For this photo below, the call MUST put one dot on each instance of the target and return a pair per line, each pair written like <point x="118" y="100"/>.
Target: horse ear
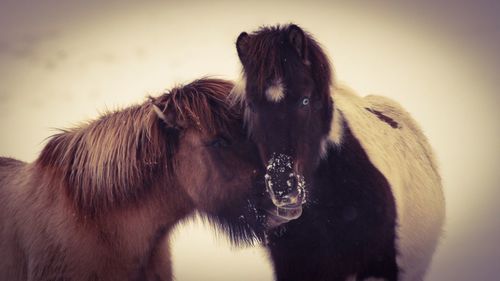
<point x="242" y="46"/>
<point x="169" y="118"/>
<point x="298" y="40"/>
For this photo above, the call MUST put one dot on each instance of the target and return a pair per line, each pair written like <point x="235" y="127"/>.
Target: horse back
<point x="9" y="168"/>
<point x="397" y="147"/>
<point x="10" y="162"/>
<point x="393" y="110"/>
<point x="10" y="176"/>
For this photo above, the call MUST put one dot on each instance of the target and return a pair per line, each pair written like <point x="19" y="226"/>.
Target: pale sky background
<point x="62" y="62"/>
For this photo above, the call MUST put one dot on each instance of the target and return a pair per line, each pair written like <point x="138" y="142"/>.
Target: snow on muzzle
<point x="285" y="186"/>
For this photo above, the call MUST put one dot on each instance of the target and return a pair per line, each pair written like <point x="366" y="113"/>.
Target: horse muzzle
<point x="285" y="187"/>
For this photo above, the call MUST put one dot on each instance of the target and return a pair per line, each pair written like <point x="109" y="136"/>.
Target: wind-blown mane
<point x="112" y="161"/>
<point x="102" y="199"/>
<point x="193" y="106"/>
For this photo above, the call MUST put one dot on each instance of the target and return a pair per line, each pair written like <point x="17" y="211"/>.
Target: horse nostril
<point x="287" y="200"/>
<point x="291" y="182"/>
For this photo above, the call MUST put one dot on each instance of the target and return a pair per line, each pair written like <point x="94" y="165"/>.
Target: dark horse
<point x="101" y="199"/>
<point x="360" y="168"/>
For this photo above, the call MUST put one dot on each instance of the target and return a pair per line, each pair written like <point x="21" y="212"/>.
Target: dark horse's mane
<point x="270" y="60"/>
<point x="112" y="160"/>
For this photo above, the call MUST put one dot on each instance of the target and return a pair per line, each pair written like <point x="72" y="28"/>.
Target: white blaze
<point x="275" y="92"/>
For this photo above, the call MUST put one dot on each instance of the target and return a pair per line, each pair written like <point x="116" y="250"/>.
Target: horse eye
<point x="219" y="142"/>
<point x="305" y="101"/>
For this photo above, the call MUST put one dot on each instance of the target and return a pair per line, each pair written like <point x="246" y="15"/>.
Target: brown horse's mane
<point x="115" y="159"/>
<point x="266" y="51"/>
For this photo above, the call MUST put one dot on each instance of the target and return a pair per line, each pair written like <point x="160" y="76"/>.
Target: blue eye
<point x="305" y="101"/>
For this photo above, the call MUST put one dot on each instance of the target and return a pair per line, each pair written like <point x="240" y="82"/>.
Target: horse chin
<point x="289" y="213"/>
<point x="281" y="215"/>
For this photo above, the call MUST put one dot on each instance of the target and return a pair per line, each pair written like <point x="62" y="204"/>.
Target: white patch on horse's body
<point x="336" y="128"/>
<point x="405" y="158"/>
<point x="275" y="92"/>
<point x="336" y="132"/>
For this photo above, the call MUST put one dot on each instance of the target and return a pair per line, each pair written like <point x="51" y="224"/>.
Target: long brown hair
<point x="110" y="161"/>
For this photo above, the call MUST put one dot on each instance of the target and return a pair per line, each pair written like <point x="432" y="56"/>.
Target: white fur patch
<point x="238" y="92"/>
<point x="276" y="92"/>
<point x="405" y="158"/>
<point x="337" y="127"/>
<point x="237" y="95"/>
<point x="336" y="132"/>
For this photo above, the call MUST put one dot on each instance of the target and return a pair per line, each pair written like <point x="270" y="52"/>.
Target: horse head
<point x="285" y="89"/>
<point x="216" y="165"/>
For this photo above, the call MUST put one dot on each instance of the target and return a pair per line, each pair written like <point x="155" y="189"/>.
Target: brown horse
<point x="101" y="198"/>
<point x="375" y="205"/>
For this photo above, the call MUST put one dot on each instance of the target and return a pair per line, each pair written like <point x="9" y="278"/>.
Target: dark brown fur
<point x="266" y="56"/>
<point x="347" y="227"/>
<point x="287" y="56"/>
<point x="391" y="122"/>
<point x="100" y="200"/>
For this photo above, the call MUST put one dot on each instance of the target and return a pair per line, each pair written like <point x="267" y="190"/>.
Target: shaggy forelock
<point x="202" y="104"/>
<point x="266" y="57"/>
